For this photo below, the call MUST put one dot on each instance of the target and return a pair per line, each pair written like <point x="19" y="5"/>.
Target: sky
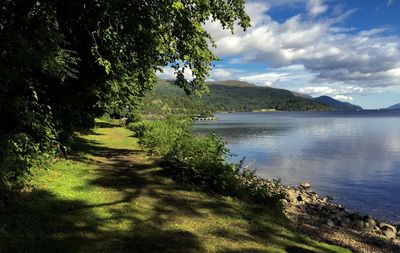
<point x="346" y="49"/>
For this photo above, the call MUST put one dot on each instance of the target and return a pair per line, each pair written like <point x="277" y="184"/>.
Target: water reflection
<point x="352" y="156"/>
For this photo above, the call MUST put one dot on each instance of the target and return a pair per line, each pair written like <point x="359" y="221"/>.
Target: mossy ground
<point x="110" y="197"/>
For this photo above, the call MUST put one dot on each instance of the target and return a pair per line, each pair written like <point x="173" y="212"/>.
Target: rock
<point x="330" y="223"/>
<point x="333" y="217"/>
<point x="305" y="185"/>
<point x="370" y="223"/>
<point x="355" y="216"/>
<point x="314" y="198"/>
<point x="385" y="226"/>
<point x="291" y="196"/>
<point x="344" y="222"/>
<point x="302" y="208"/>
<point x="300" y="198"/>
<point x="388" y="230"/>
<point x="331" y="208"/>
<point x="389" y="234"/>
<point x="359" y="224"/>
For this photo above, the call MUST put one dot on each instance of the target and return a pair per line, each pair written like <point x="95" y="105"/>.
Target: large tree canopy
<point x="64" y="62"/>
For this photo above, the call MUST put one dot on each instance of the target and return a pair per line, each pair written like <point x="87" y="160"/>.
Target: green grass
<point x="110" y="197"/>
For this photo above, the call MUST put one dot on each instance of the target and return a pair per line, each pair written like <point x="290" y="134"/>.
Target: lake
<point x="353" y="157"/>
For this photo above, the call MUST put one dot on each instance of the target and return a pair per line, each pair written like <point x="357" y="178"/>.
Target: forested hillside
<point x="226" y="96"/>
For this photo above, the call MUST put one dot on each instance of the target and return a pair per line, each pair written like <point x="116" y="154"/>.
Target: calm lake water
<point x="352" y="156"/>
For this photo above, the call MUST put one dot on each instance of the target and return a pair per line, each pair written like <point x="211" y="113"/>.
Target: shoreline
<point x="323" y="218"/>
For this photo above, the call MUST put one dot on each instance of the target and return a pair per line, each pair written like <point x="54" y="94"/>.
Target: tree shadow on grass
<point x="81" y="148"/>
<point x="40" y="222"/>
<point x="102" y="124"/>
<point x="37" y="222"/>
<point x="136" y="194"/>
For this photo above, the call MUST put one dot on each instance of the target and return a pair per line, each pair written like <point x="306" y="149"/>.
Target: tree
<point x="62" y="63"/>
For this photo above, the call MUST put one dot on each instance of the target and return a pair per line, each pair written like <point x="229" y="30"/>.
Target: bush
<point x="160" y="136"/>
<point x="201" y="160"/>
<point x="137" y="127"/>
<point x="24" y="145"/>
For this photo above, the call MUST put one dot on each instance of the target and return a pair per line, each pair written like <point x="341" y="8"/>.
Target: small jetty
<point x="205" y="118"/>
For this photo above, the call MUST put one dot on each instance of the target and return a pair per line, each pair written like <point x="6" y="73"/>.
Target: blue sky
<point x="347" y="49"/>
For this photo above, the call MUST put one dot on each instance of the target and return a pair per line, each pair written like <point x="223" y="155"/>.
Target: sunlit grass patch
<point x="110" y="197"/>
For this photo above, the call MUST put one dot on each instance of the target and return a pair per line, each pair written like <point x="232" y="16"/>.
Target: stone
<point x="305" y="185"/>
<point x="330" y="223"/>
<point x="384" y="226"/>
<point x="300" y="198"/>
<point x="342" y="213"/>
<point x="359" y="224"/>
<point x="331" y="208"/>
<point x="370" y="223"/>
<point x="388" y="230"/>
<point x="303" y="208"/>
<point x="314" y="198"/>
<point x="356" y="216"/>
<point x="389" y="233"/>
<point x="333" y="217"/>
<point x="344" y="222"/>
<point x="291" y="196"/>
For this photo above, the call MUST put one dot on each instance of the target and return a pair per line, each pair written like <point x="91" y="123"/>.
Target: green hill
<point x="226" y="96"/>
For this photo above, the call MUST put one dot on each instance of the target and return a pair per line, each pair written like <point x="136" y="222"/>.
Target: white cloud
<point x="343" y="98"/>
<point x="316" y="7"/>
<point x="280" y="77"/>
<point x="219" y="74"/>
<point x="266" y="79"/>
<point x="338" y="92"/>
<point x="331" y="54"/>
<point x="169" y="73"/>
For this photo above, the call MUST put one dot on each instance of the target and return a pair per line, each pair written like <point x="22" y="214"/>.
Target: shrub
<point x="160" y="136"/>
<point x="137" y="127"/>
<point x="201" y="160"/>
<point x="20" y="152"/>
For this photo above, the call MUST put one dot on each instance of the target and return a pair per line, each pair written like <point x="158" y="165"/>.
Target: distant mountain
<point x="394" y="107"/>
<point x="336" y="103"/>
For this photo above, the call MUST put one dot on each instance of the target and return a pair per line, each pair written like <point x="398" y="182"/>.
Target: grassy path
<point x="110" y="197"/>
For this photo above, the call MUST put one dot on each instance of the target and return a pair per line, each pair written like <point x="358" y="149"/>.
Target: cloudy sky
<point x="347" y="49"/>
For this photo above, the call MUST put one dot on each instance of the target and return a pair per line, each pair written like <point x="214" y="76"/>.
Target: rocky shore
<point x="323" y="218"/>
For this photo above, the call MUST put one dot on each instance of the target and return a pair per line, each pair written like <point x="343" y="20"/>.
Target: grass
<point x="110" y="197"/>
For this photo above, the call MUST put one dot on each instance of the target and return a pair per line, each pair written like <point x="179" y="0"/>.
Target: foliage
<point x="62" y="63"/>
<point x="137" y="127"/>
<point x="161" y="136"/>
<point x="201" y="160"/>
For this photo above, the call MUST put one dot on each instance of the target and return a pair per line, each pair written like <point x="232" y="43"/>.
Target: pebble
<point x="359" y="224"/>
<point x="389" y="234"/>
<point x="305" y="185"/>
<point x="330" y="223"/>
<point x="370" y="222"/>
